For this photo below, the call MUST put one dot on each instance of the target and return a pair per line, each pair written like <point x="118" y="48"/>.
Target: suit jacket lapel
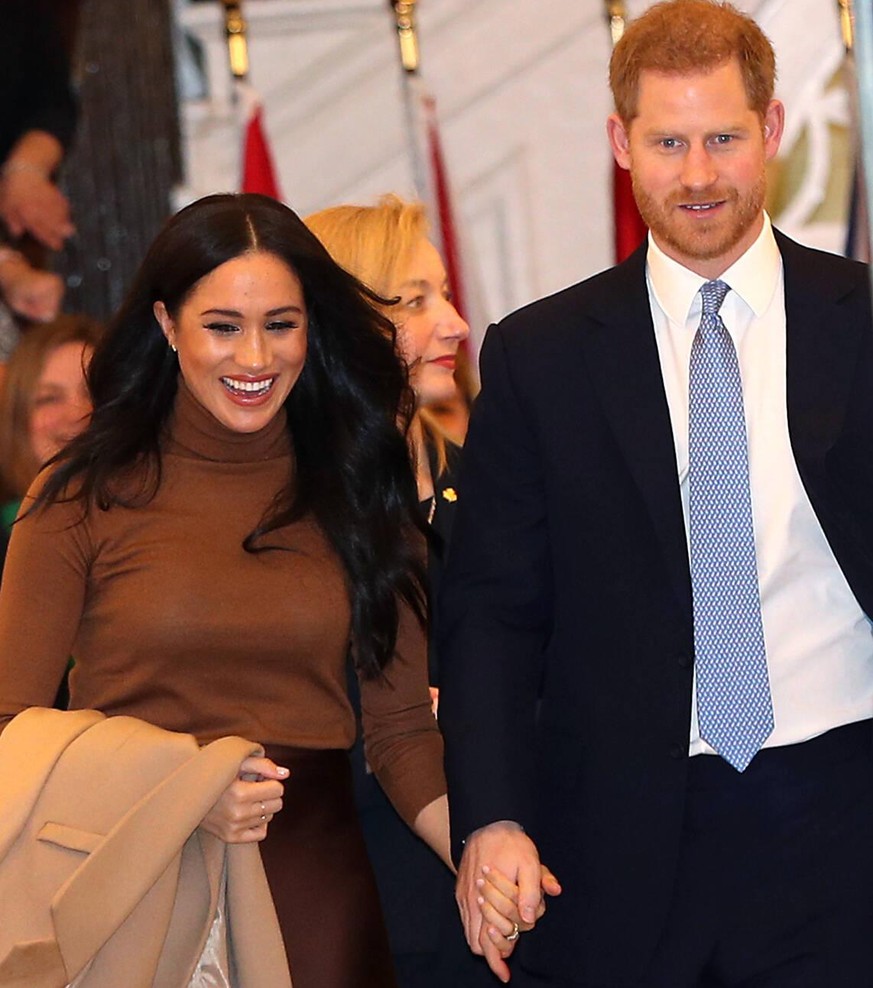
<point x="626" y="371"/>
<point x="822" y="350"/>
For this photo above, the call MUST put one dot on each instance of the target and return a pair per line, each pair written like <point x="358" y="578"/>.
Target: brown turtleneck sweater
<point x="170" y="620"/>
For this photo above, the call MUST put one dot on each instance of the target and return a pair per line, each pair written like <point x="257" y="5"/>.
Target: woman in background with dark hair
<point x="237" y="518"/>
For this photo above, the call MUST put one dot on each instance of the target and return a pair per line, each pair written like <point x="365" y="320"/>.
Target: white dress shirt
<point x="819" y="642"/>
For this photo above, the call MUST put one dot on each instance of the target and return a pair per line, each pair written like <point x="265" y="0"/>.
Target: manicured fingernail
<point x="480" y="900"/>
<point x="480" y="883"/>
<point x="282" y="771"/>
<point x="485" y="869"/>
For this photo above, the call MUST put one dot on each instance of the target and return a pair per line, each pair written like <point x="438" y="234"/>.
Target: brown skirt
<point x="320" y="877"/>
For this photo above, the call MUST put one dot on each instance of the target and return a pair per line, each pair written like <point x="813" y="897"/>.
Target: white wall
<point x="522" y="96"/>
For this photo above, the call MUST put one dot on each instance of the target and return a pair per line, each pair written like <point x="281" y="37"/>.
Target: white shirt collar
<point x="754" y="277"/>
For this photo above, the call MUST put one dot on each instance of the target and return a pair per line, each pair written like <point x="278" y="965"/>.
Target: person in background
<point x="44" y="401"/>
<point x="386" y="246"/>
<point x="29" y="292"/>
<point x="656" y="648"/>
<point x="36" y="123"/>
<point x="237" y="520"/>
<point x="37" y="120"/>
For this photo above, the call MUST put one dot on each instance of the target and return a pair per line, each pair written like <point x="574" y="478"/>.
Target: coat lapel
<point x="623" y="358"/>
<point x="822" y="349"/>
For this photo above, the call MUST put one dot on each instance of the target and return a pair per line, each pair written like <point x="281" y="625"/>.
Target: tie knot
<point x="713" y="293"/>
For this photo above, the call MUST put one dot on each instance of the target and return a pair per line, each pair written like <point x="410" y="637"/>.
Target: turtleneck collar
<point x="196" y="432"/>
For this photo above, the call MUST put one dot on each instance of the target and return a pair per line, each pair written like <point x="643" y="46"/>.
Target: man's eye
<point x="723" y="138"/>
<point x="669" y="143"/>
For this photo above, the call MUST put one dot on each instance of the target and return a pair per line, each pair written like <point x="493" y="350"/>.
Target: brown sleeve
<point x="41" y="601"/>
<point x="401" y="738"/>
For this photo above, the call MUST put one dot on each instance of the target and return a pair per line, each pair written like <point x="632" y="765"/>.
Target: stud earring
<point x="173" y="348"/>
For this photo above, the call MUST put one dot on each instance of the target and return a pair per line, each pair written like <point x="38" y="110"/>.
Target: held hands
<point x="500" y="891"/>
<point x="249" y="803"/>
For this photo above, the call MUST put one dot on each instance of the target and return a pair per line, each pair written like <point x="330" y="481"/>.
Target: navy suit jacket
<point x="566" y="618"/>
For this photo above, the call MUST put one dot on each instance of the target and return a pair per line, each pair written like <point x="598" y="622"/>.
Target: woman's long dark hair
<point x="352" y="463"/>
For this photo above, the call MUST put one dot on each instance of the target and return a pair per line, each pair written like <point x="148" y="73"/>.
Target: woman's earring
<point x="173" y="348"/>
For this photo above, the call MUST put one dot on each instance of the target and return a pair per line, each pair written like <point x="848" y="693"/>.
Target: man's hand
<point x="505" y="848"/>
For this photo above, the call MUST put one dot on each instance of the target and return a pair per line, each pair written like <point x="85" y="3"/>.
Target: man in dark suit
<point x="655" y="635"/>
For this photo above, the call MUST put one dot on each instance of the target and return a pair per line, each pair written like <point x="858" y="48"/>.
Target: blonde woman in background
<point x="386" y="246"/>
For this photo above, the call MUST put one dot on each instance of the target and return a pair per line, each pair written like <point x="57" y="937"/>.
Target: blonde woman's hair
<point x="374" y="243"/>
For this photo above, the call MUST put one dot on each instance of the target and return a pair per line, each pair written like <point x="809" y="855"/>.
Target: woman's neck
<point x="423" y="476"/>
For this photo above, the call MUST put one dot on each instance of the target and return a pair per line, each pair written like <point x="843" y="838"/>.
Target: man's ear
<point x="165" y="321"/>
<point x="619" y="140"/>
<point x="774" y="125"/>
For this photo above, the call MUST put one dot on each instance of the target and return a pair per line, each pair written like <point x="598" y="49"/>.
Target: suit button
<point x="678" y="750"/>
<point x="685" y="660"/>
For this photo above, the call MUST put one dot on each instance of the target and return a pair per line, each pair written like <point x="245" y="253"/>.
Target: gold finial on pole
<point x="846" y="25"/>
<point x="404" y="17"/>
<point x="237" y="45"/>
<point x="616" y="16"/>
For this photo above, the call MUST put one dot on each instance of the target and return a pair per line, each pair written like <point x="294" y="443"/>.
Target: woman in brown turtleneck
<point x="238" y="518"/>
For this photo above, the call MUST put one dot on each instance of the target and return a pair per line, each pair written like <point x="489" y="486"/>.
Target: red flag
<point x="630" y="231"/>
<point x="443" y="207"/>
<point x="259" y="174"/>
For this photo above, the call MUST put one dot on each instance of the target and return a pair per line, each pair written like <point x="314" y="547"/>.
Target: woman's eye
<point x="222" y="328"/>
<point x="40" y="401"/>
<point x="415" y="303"/>
<point x="281" y="326"/>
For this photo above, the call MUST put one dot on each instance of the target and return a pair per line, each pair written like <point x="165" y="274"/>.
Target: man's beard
<point x="695" y="238"/>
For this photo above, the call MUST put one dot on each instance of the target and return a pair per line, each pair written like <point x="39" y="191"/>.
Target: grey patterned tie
<point x="734" y="707"/>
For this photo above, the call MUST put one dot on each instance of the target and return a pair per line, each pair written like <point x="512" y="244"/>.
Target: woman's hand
<point x="249" y="803"/>
<point x="498" y="902"/>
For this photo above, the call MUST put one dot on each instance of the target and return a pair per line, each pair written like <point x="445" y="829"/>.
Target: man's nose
<point x="698" y="169"/>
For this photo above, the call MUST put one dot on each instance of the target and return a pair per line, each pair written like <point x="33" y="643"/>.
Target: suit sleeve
<point x="495" y="605"/>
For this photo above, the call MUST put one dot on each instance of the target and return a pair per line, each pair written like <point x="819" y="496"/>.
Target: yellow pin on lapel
<point x="449" y="494"/>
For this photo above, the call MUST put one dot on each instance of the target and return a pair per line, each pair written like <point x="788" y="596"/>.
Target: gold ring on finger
<point x="515" y="933"/>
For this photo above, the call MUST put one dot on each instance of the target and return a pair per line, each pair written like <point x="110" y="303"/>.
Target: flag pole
<point x="258" y="172"/>
<point x="861" y="16"/>
<point x="410" y="64"/>
<point x="616" y="17"/>
<point x="629" y="231"/>
<point x="856" y="27"/>
<point x="237" y="42"/>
